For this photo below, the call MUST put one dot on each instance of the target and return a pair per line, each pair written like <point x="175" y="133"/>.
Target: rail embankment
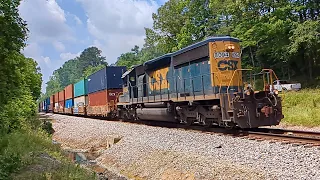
<point x="30" y="154"/>
<point x="147" y="152"/>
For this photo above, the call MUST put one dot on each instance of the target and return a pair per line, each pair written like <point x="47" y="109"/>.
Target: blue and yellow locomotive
<point x="203" y="84"/>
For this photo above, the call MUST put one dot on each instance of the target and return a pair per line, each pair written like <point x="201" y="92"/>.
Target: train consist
<point x="200" y="84"/>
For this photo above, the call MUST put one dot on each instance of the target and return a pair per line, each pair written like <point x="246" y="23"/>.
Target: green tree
<point x="305" y="42"/>
<point x="92" y="69"/>
<point x="89" y="61"/>
<point x="130" y="58"/>
<point x="20" y="79"/>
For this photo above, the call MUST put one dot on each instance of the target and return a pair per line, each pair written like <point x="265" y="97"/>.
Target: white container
<point x="80" y="101"/>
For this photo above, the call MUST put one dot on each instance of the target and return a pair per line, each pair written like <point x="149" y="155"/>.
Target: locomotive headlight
<point x="276" y="92"/>
<point x="248" y="93"/>
<point x="230" y="47"/>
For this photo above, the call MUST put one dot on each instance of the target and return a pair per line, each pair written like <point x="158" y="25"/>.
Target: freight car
<point x="203" y="84"/>
<point x="80" y="97"/>
<point x="103" y="88"/>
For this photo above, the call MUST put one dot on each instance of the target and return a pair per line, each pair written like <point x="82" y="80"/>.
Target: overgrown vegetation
<point x="302" y="108"/>
<point x="25" y="148"/>
<point x="30" y="154"/>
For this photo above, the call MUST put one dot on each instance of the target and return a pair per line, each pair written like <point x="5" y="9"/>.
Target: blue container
<point x="69" y="103"/>
<point x="46" y="104"/>
<point x="107" y="78"/>
<point x="80" y="88"/>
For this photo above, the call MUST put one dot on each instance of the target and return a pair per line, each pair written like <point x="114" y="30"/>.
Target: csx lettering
<point x="230" y="65"/>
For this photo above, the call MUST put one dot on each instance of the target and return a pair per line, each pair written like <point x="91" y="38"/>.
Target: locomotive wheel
<point x="189" y="121"/>
<point x="125" y="117"/>
<point x="208" y="122"/>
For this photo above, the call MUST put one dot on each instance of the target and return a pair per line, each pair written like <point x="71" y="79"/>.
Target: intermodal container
<point x="81" y="101"/>
<point x="56" y="97"/>
<point x="80" y="88"/>
<point x="41" y="106"/>
<point x="61" y="96"/>
<point x="107" y="78"/>
<point x="102" y="103"/>
<point x="68" y="92"/>
<point x="61" y="107"/>
<point x="68" y="106"/>
<point x="51" y="107"/>
<point x="47" y="104"/>
<point x="56" y="107"/>
<point x="69" y="103"/>
<point x="80" y="104"/>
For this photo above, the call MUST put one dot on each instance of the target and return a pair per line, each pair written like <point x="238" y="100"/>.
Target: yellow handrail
<point x="271" y="72"/>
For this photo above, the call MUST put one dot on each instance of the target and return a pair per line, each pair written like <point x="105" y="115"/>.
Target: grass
<point x="302" y="107"/>
<point x="30" y="154"/>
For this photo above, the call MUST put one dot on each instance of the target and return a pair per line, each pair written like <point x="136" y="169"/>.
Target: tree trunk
<point x="310" y="68"/>
<point x="251" y="55"/>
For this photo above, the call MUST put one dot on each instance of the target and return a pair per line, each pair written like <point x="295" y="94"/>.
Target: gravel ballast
<point x="146" y="152"/>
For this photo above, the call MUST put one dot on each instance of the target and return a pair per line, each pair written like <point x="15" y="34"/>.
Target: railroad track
<point x="285" y="136"/>
<point x="295" y="137"/>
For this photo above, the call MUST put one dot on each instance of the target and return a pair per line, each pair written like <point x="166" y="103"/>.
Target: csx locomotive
<point x="200" y="84"/>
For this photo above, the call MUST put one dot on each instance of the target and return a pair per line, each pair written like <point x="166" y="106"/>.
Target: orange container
<point x="51" y="103"/>
<point x="56" y="97"/>
<point x="68" y="92"/>
<point x="61" y="96"/>
<point x="102" y="103"/>
<point x="61" y="107"/>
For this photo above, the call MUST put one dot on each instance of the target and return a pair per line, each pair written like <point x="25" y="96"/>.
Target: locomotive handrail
<point x="187" y="87"/>
<point x="237" y="70"/>
<point x="271" y="72"/>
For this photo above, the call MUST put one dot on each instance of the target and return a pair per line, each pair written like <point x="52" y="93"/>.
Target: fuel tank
<point x="155" y="114"/>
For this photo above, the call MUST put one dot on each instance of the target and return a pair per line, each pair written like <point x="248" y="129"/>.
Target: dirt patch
<point x="172" y="165"/>
<point x="88" y="144"/>
<point x="172" y="174"/>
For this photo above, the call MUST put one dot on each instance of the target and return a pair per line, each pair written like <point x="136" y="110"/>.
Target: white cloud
<point x="46" y="20"/>
<point x="68" y="56"/>
<point x="118" y="25"/>
<point x="58" y="46"/>
<point x="77" y="19"/>
<point x="33" y="51"/>
<point x="47" y="25"/>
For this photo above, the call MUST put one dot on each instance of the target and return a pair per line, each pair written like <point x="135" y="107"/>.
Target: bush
<point x="21" y="150"/>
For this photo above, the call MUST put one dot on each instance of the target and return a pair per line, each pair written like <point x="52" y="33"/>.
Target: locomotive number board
<point x="226" y="55"/>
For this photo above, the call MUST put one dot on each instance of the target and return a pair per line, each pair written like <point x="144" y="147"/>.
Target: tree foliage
<point x="89" y="61"/>
<point x="20" y="78"/>
<point x="282" y="35"/>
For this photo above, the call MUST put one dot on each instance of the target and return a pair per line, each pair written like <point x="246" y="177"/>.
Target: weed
<point x="302" y="107"/>
<point x="30" y="154"/>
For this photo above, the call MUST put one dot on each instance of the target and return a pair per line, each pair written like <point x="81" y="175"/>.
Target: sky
<point x="60" y="30"/>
